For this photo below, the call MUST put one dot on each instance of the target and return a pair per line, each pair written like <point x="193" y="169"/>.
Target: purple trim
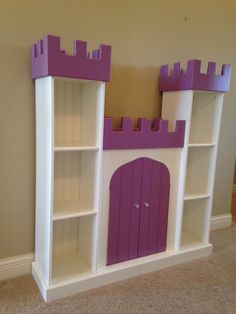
<point x="47" y="59"/>
<point x="145" y="136"/>
<point x="192" y="78"/>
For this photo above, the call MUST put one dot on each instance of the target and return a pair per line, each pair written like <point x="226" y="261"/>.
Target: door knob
<point x="136" y="205"/>
<point x="146" y="204"/>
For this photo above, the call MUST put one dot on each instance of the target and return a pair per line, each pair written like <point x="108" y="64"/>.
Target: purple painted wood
<point x="47" y="58"/>
<point x="136" y="192"/>
<point x="135" y="210"/>
<point x="114" y="215"/>
<point x="125" y="206"/>
<point x="125" y="189"/>
<point x="146" y="206"/>
<point x="155" y="191"/>
<point x="193" y="79"/>
<point x="145" y="136"/>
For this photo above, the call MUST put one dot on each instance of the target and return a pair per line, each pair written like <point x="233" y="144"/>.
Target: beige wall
<point x="144" y="35"/>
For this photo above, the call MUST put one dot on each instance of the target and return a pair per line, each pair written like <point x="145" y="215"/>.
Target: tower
<point x="197" y="98"/>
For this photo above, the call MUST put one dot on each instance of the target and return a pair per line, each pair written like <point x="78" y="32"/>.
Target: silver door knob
<point x="146" y="204"/>
<point x="136" y="205"/>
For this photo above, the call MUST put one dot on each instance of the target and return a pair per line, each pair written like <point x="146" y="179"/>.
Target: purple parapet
<point x="145" y="136"/>
<point x="193" y="79"/>
<point x="47" y="59"/>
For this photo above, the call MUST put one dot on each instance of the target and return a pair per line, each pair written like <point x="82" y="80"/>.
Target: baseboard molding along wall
<point x="15" y="266"/>
<point x="21" y="265"/>
<point x="221" y="221"/>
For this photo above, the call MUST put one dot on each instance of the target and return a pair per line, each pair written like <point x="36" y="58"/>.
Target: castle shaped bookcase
<point x="115" y="203"/>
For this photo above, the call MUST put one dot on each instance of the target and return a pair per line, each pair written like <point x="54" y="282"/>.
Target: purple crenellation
<point x="193" y="79"/>
<point x="47" y="59"/>
<point x="147" y="135"/>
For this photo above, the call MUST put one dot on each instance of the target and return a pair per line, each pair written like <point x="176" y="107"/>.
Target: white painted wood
<point x="196" y="196"/>
<point x="216" y="126"/>
<point x="201" y="145"/>
<point x="194" y="220"/>
<point x="15" y="266"/>
<point x="198" y="170"/>
<point x="74" y="181"/>
<point x="98" y="171"/>
<point x="221" y="221"/>
<point x="76" y="111"/>
<point x="70" y="209"/>
<point x="198" y="158"/>
<point x="72" y="247"/>
<point x="67" y="187"/>
<point x="44" y="174"/>
<point x="77" y="147"/>
<point x="123" y="271"/>
<point x="73" y="177"/>
<point x="205" y="114"/>
<point x="178" y="106"/>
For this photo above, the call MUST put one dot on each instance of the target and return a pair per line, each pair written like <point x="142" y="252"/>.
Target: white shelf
<point x="72" y="146"/>
<point x="201" y="145"/>
<point x="70" y="209"/>
<point x="197" y="196"/>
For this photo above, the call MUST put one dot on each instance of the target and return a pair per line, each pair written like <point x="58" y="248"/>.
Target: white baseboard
<point x="221" y="221"/>
<point x="16" y="266"/>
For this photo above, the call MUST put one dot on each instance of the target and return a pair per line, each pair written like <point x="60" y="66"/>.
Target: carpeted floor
<point x="206" y="285"/>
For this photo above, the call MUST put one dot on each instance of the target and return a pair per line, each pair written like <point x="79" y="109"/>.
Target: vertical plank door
<point x="138" y="210"/>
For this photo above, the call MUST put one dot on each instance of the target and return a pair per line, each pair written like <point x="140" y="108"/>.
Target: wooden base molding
<point x="16" y="266"/>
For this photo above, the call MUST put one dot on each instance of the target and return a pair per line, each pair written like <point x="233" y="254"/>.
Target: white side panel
<point x="216" y="129"/>
<point x="178" y="106"/>
<point x="44" y="175"/>
<point x="100" y="100"/>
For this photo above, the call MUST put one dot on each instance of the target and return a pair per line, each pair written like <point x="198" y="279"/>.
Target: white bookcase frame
<point x="72" y="185"/>
<point x="202" y="112"/>
<point x="69" y="126"/>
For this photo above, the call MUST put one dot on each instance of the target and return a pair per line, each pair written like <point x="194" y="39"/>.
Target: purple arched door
<point x="138" y="210"/>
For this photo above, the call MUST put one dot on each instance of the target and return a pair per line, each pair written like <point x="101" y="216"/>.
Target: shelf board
<point x="73" y="146"/>
<point x="69" y="267"/>
<point x="196" y="196"/>
<point x="201" y="144"/>
<point x="70" y="209"/>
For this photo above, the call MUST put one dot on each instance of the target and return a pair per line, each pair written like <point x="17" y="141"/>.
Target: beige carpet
<point x="206" y="285"/>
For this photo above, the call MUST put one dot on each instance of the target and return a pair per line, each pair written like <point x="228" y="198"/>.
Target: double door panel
<point x="138" y="210"/>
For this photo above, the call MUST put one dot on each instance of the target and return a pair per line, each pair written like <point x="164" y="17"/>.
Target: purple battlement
<point x="192" y="78"/>
<point x="47" y="59"/>
<point x="147" y="135"/>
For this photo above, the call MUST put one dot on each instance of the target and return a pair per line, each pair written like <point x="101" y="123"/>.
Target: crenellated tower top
<point x="47" y="59"/>
<point x="193" y="79"/>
